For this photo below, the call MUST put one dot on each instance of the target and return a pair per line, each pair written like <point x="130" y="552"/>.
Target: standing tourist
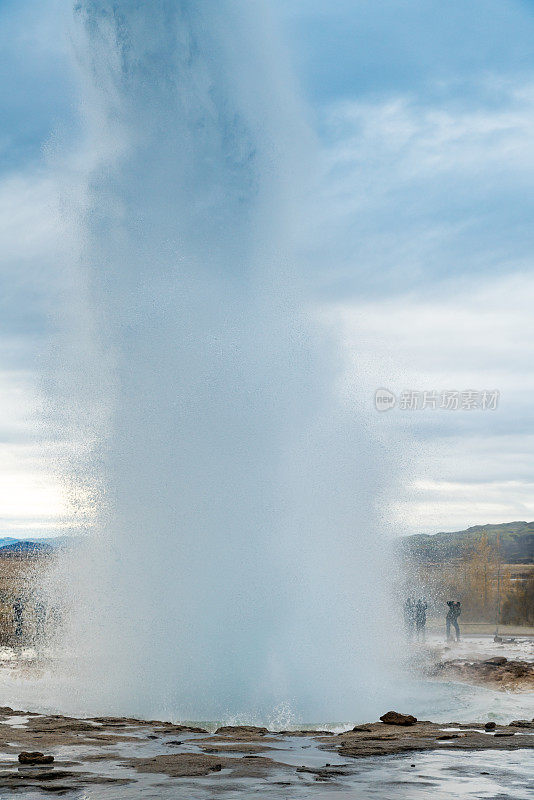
<point x="18" y="608"/>
<point x="452" y="619"/>
<point x="409" y="617"/>
<point x="420" y="619"/>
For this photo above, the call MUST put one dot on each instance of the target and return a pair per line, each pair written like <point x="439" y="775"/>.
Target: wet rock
<point x="46" y="774"/>
<point x="504" y="733"/>
<point x="422" y="736"/>
<point x="180" y="765"/>
<point x="381" y="737"/>
<point x="490" y="726"/>
<point x="518" y="669"/>
<point x="35" y="758"/>
<point x="44" y="724"/>
<point x="168" y="728"/>
<point x="521" y="723"/>
<point x="241" y="730"/>
<point x="11" y="712"/>
<point x="128" y="722"/>
<point x="53" y="780"/>
<point x="396" y="718"/>
<point x="498" y="672"/>
<point x="361" y="729"/>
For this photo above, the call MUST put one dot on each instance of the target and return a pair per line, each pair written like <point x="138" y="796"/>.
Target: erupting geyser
<point x="236" y="568"/>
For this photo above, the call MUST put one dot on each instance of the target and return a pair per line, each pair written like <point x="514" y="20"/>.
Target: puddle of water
<point x="434" y="776"/>
<point x="16" y="722"/>
<point x="518" y="731"/>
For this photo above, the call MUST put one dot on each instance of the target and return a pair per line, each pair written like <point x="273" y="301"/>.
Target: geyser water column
<point x="236" y="565"/>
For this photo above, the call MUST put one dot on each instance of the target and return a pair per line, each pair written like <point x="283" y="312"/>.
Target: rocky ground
<point x="497" y="673"/>
<point x="505" y="664"/>
<point x="124" y="758"/>
<point x="106" y="758"/>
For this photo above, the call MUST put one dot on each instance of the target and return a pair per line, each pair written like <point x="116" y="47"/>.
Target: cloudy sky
<point x="424" y="114"/>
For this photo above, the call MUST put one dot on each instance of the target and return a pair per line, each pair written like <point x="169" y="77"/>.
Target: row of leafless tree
<point x="489" y="590"/>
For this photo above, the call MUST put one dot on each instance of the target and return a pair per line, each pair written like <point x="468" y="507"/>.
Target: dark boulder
<point x="35" y="758"/>
<point x="395" y="718"/>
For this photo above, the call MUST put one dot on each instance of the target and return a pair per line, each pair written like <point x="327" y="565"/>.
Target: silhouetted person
<point x="452" y="618"/>
<point x="40" y="620"/>
<point x="18" y="609"/>
<point x="409" y="616"/>
<point x="420" y="619"/>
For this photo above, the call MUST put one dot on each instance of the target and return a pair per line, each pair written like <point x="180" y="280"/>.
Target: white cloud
<point x="442" y="505"/>
<point x="33" y="500"/>
<point x="427" y="140"/>
<point x="425" y="205"/>
<point x="31" y="225"/>
<point x="427" y="249"/>
<point x="461" y="467"/>
<point x="36" y="242"/>
<point x="419" y="191"/>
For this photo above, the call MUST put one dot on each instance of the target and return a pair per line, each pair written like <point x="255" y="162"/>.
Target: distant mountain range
<point x="11" y="546"/>
<point x="516" y="543"/>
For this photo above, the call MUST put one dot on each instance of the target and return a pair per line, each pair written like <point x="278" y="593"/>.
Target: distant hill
<point x="26" y="548"/>
<point x="516" y="542"/>
<point x="7" y="540"/>
<point x="10" y="546"/>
